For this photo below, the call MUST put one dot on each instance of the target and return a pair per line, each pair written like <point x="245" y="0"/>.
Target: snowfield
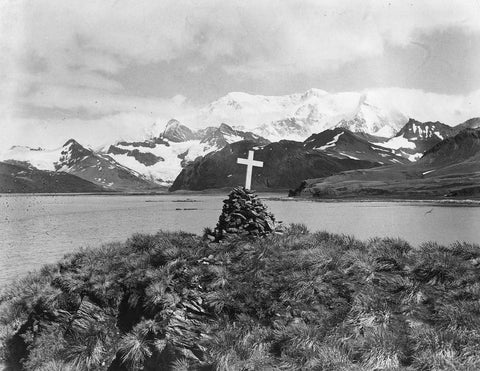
<point x="167" y="170"/>
<point x="40" y="158"/>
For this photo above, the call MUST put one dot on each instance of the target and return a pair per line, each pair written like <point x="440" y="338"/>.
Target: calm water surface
<point x="36" y="229"/>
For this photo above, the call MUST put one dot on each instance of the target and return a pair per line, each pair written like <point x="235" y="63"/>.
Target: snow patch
<point x="414" y="157"/>
<point x="397" y="143"/>
<point x="344" y="154"/>
<point x="330" y="144"/>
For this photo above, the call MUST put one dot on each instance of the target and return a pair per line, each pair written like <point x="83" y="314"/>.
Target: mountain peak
<point x="72" y="151"/>
<point x="172" y="122"/>
<point x="177" y="132"/>
<point x="415" y="130"/>
<point x="225" y="129"/>
<point x="71" y="142"/>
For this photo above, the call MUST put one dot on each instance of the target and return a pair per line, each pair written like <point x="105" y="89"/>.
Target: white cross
<point x="250" y="162"/>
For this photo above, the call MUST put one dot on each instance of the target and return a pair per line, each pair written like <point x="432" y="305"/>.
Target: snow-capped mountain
<point x="161" y="159"/>
<point x="297" y="116"/>
<point x="99" y="169"/>
<point x="371" y="119"/>
<point x="73" y="158"/>
<point x="417" y="137"/>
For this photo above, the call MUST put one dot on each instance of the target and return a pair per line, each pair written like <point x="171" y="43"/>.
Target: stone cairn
<point x="243" y="214"/>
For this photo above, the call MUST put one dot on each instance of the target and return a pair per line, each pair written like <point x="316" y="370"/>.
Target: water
<point x="36" y="230"/>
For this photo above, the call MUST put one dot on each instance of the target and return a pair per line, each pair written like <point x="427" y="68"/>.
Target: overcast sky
<point x="71" y="66"/>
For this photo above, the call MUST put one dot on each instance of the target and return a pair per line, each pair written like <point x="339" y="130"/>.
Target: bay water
<point x="40" y="229"/>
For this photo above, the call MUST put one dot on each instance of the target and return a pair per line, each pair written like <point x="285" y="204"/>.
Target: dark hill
<point x="459" y="148"/>
<point x="286" y="163"/>
<point x="26" y="179"/>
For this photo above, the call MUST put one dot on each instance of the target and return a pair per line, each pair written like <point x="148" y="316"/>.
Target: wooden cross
<point x="250" y="162"/>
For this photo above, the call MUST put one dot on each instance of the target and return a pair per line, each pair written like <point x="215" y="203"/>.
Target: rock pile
<point x="243" y="213"/>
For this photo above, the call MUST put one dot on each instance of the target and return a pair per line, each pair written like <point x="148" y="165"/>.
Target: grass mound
<point x="299" y="300"/>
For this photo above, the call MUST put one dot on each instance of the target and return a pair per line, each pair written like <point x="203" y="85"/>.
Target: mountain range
<point x="297" y="116"/>
<point x="298" y="137"/>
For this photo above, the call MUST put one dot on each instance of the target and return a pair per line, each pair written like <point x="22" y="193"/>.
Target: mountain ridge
<point x="451" y="168"/>
<point x="158" y="160"/>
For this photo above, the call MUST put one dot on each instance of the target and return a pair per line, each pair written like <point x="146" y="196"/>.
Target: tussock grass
<point x="297" y="300"/>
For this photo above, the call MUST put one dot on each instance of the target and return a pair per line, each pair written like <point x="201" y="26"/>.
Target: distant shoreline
<point x="275" y="195"/>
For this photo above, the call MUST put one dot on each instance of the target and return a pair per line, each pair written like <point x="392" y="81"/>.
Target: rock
<point x="243" y="214"/>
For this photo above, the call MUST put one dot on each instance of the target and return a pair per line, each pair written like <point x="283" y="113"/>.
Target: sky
<point x="99" y="70"/>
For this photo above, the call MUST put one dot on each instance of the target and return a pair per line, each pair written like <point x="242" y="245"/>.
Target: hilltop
<point x="297" y="300"/>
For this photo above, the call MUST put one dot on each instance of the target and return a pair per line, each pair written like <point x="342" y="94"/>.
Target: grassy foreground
<point x="300" y="300"/>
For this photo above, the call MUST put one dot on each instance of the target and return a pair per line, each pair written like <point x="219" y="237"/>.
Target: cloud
<point x="113" y="122"/>
<point x="108" y="35"/>
<point x="70" y="56"/>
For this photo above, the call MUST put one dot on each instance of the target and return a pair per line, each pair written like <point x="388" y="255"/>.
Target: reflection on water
<point x="40" y="229"/>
